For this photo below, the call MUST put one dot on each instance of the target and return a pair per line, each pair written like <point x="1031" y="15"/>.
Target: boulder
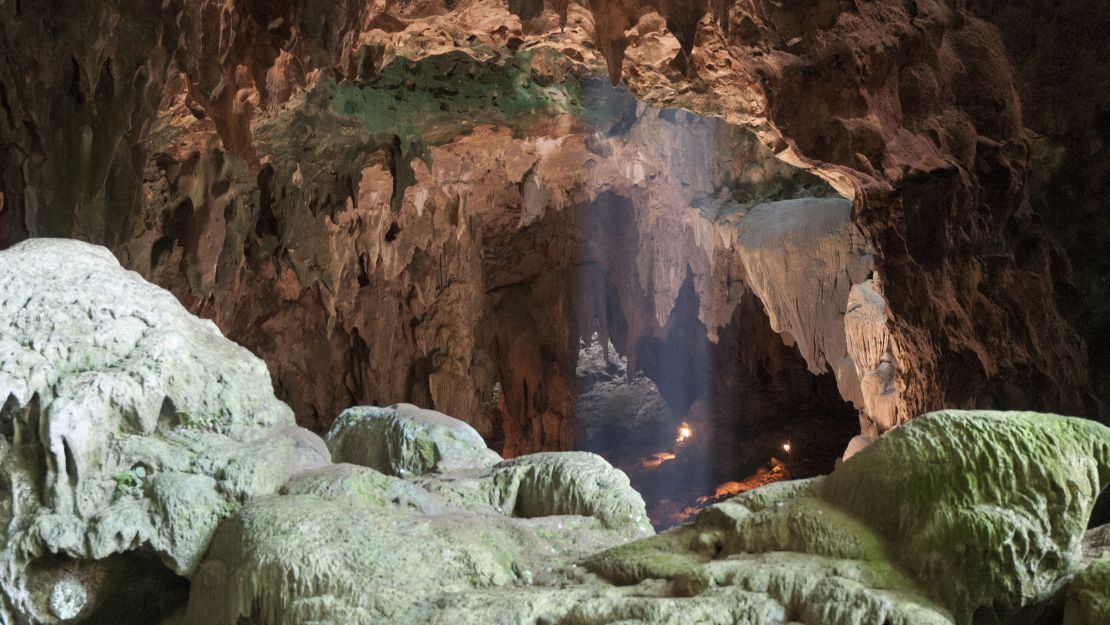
<point x="953" y="517"/>
<point x="574" y="483"/>
<point x="126" y="424"/>
<point x="404" y="440"/>
<point x="349" y="544"/>
<point x="1015" y="489"/>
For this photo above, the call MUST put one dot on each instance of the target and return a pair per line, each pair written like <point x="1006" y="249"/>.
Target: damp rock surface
<point x="887" y="536"/>
<point x="406" y="440"/>
<point x="349" y="544"/>
<point x="127" y="424"/>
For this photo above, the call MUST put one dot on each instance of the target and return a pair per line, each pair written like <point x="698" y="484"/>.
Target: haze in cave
<point x="646" y="312"/>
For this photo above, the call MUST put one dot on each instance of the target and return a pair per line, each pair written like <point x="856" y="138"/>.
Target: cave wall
<point x="914" y="109"/>
<point x="386" y="201"/>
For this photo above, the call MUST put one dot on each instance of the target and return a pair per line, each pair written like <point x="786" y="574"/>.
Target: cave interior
<point x="627" y="282"/>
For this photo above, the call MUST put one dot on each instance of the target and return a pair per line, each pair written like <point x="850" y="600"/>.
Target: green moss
<point x="427" y="101"/>
<point x="130" y="482"/>
<point x="665" y="556"/>
<point x="985" y="509"/>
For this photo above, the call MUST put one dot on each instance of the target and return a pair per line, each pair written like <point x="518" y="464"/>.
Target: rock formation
<point x="129" y="428"/>
<point x="888" y="536"/>
<point x="409" y="189"/>
<point x="913" y="110"/>
<point x="149" y="475"/>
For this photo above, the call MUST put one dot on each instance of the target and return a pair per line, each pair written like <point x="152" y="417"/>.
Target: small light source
<point x="786" y="447"/>
<point x="685" y="432"/>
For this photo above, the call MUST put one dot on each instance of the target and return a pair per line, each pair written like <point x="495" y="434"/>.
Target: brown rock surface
<point x="913" y="108"/>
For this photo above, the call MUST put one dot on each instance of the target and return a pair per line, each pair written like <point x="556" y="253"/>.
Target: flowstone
<point x="349" y="544"/>
<point x="405" y="440"/>
<point x="138" y="448"/>
<point x="954" y="517"/>
<point x="127" y="425"/>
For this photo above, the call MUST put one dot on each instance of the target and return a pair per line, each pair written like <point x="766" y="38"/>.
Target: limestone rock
<point x="1014" y="488"/>
<point x="802" y="258"/>
<point x="126" y="422"/>
<point x="348" y="544"/>
<point x="872" y="352"/>
<point x="857" y="444"/>
<point x="303" y="558"/>
<point x="1087" y="597"/>
<point x="366" y="487"/>
<point x="807" y="262"/>
<point x="404" y="440"/>
<point x="576" y="483"/>
<point x="887" y="537"/>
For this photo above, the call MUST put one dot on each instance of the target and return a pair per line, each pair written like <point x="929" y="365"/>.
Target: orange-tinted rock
<point x="452" y="250"/>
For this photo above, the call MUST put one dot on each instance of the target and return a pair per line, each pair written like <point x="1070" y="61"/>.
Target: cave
<point x="551" y="311"/>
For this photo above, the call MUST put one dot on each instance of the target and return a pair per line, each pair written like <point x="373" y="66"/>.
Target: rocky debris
<point x="128" y="425"/>
<point x="404" y="440"/>
<point x="830" y="549"/>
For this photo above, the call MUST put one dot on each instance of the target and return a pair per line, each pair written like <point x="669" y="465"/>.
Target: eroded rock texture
<point x="914" y="110"/>
<point x="434" y="203"/>
<point x="346" y="543"/>
<point x="129" y="429"/>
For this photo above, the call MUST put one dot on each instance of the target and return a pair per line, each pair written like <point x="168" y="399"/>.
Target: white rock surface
<point x="802" y="257"/>
<point x="872" y="352"/>
<point x="126" y="422"/>
<point x="405" y="440"/>
<point x="809" y="264"/>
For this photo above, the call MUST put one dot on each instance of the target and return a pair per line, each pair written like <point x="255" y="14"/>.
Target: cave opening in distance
<point x="692" y="416"/>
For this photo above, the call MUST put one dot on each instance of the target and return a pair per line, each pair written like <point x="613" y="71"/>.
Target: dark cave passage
<point x="691" y="420"/>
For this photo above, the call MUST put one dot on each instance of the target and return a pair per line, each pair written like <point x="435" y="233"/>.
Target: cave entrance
<point x="692" y="416"/>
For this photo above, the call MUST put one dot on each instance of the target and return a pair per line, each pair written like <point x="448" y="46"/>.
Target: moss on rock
<point x="404" y="440"/>
<point x="986" y="509"/>
<point x="954" y="517"/>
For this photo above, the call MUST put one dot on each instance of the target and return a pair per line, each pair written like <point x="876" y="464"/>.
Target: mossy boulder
<point x="1087" y="597"/>
<point x="403" y="440"/>
<point x="987" y="510"/>
<point x="366" y="487"/>
<point x="300" y="559"/>
<point x="955" y="517"/>
<point x="576" y="483"/>
<point x="126" y="424"/>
